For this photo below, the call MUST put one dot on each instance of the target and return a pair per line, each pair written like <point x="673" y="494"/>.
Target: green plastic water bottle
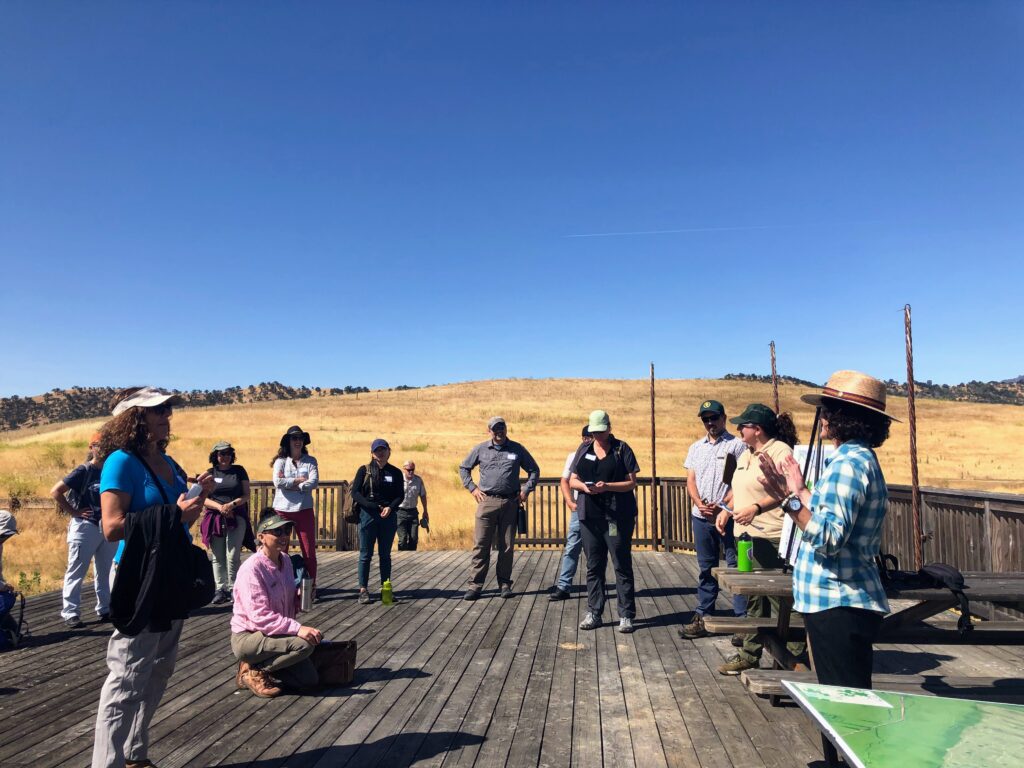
<point x="743" y="547"/>
<point x="387" y="594"/>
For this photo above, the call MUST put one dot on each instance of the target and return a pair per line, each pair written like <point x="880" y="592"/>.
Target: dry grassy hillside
<point x="961" y="445"/>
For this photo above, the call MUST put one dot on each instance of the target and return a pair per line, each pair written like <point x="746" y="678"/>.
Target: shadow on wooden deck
<point x="443" y="682"/>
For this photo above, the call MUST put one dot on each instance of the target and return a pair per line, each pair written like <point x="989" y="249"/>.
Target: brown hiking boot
<point x="260" y="683"/>
<point x="735" y="665"/>
<point x="243" y="668"/>
<point x="694" y="629"/>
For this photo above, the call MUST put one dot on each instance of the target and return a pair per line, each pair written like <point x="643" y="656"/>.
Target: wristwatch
<point x="792" y="503"/>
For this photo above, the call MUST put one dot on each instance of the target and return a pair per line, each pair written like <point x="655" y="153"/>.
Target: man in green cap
<point x="705" y="464"/>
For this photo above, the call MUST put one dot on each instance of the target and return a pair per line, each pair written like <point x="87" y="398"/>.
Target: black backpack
<point x="11" y="628"/>
<point x="932" y="576"/>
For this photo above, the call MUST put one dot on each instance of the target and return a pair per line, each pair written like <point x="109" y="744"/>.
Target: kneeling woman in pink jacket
<point x="273" y="649"/>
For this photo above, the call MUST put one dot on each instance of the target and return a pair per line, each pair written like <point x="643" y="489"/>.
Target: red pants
<point x="305" y="526"/>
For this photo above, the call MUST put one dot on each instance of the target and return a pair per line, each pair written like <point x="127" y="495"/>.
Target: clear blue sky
<point x="204" y="194"/>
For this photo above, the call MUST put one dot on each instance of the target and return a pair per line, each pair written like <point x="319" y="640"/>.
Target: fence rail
<point x="971" y="530"/>
<point x="330" y="498"/>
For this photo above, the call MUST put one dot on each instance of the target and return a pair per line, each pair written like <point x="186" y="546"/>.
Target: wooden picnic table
<point x="1005" y="590"/>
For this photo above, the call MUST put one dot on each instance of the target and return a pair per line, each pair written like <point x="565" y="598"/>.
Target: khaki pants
<point x="286" y="657"/>
<point x="764" y="553"/>
<point x="493" y="514"/>
<point x="140" y="667"/>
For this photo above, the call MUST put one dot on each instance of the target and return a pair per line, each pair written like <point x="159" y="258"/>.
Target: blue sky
<point x="209" y="194"/>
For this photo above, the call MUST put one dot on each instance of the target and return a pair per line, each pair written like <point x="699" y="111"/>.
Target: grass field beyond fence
<point x="961" y="445"/>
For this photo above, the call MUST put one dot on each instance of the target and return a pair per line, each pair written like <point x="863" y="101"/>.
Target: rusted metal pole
<point x="655" y="521"/>
<point x="775" y="378"/>
<point x="915" y="488"/>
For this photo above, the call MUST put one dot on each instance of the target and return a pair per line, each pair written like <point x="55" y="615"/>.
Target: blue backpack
<point x="10" y="628"/>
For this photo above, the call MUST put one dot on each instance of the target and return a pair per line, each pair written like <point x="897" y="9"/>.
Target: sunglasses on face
<point x="709" y="419"/>
<point x="279" y="532"/>
<point x="223" y="453"/>
<point x="161" y="410"/>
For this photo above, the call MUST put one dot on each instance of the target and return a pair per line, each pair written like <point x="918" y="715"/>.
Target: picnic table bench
<point x="902" y="626"/>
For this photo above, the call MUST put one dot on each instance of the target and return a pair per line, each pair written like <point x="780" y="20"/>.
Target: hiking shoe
<point x="694" y="629"/>
<point x="471" y="594"/>
<point x="219" y="597"/>
<point x="506" y="591"/>
<point x="364" y="598"/>
<point x="735" y="665"/>
<point x="625" y="625"/>
<point x="73" y="623"/>
<point x="243" y="668"/>
<point x="104" y="618"/>
<point x="558" y="594"/>
<point x="737" y="641"/>
<point x="590" y="621"/>
<point x="260" y="683"/>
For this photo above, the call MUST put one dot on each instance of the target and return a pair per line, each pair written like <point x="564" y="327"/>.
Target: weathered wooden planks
<point x="443" y="682"/>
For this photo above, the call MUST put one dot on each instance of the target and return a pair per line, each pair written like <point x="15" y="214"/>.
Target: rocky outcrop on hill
<point x="94" y="402"/>
<point x="1009" y="392"/>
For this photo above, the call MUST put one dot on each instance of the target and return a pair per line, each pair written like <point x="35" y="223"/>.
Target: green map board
<point x="879" y="729"/>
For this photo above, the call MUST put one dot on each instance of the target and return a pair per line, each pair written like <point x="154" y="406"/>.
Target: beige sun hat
<point x="853" y="387"/>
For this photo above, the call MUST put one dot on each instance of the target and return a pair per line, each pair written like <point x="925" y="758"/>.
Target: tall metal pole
<point x="655" y="521"/>
<point x="915" y="489"/>
<point x="775" y="379"/>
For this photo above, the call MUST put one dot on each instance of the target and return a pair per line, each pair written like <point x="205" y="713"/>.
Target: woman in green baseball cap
<point x="758" y="515"/>
<point x="225" y="526"/>
<point x="272" y="648"/>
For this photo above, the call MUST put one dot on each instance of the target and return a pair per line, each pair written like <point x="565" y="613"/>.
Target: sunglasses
<point x="284" y="530"/>
<point x="161" y="410"/>
<point x="709" y="419"/>
<point x="223" y="453"/>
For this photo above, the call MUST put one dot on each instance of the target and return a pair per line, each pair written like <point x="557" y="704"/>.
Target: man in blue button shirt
<point x="498" y="497"/>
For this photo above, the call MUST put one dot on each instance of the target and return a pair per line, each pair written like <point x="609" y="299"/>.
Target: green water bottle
<point x="387" y="594"/>
<point x="743" y="546"/>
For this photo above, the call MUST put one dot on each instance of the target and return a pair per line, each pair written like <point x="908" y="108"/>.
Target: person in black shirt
<point x="605" y="475"/>
<point x="378" y="489"/>
<point x="225" y="527"/>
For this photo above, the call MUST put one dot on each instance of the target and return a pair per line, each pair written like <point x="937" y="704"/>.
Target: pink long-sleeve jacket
<point x="265" y="597"/>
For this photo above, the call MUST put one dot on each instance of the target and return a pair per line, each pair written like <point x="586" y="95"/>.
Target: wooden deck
<point x="444" y="682"/>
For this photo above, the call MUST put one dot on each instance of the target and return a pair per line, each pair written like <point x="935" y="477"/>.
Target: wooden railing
<point x="672" y="528"/>
<point x="971" y="530"/>
<point x="329" y="501"/>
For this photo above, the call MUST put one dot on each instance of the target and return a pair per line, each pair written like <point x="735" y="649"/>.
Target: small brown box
<point x="335" y="662"/>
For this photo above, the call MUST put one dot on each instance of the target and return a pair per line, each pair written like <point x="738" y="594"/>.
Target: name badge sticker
<point x="590" y="457"/>
<point x="388" y="479"/>
<point x="511" y="456"/>
<point x="218" y="479"/>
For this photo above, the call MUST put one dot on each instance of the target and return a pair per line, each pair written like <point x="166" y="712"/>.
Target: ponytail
<point x="785" y="429"/>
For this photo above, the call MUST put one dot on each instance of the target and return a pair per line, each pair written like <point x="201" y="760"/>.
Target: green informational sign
<point x="878" y="729"/>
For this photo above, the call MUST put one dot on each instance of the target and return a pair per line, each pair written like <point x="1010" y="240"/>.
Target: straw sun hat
<point x="853" y="387"/>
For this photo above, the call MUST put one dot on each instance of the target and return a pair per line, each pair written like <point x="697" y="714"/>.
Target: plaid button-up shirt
<point x="835" y="565"/>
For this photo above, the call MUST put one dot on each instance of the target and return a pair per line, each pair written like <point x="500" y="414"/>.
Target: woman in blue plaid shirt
<point x="836" y="585"/>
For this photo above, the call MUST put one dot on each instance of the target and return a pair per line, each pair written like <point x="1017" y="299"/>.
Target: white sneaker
<point x="625" y="625"/>
<point x="590" y="621"/>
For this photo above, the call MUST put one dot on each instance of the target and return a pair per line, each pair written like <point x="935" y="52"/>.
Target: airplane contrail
<point x="686" y="230"/>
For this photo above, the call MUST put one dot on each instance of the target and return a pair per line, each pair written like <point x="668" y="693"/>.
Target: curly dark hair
<point x="213" y="457"/>
<point x="847" y="421"/>
<point x="784" y="430"/>
<point x="127" y="431"/>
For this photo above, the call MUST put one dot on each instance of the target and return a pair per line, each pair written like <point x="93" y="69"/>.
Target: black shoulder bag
<point x="203" y="586"/>
<point x="352" y="515"/>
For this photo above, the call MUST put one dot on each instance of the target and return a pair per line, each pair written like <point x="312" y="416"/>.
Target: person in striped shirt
<point x="836" y="584"/>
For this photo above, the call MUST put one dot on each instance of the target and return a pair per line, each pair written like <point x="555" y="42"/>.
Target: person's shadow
<point x="398" y="750"/>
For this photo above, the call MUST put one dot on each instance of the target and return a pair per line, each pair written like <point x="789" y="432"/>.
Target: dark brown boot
<point x="260" y="683"/>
